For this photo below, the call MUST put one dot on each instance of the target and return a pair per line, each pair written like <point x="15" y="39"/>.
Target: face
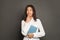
<point x="29" y="11"/>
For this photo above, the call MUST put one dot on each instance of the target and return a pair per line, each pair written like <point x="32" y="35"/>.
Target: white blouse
<point x="25" y="27"/>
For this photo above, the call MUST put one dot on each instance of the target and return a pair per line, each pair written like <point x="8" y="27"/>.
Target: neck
<point x="29" y="16"/>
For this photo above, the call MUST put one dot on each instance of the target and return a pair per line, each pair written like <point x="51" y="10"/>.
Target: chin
<point x="30" y="16"/>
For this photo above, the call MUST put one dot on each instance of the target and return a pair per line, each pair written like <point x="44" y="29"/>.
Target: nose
<point x="28" y="11"/>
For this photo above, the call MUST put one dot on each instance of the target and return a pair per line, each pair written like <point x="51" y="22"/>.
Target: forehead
<point x="29" y="7"/>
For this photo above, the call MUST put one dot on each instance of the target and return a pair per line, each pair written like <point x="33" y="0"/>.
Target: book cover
<point x="32" y="29"/>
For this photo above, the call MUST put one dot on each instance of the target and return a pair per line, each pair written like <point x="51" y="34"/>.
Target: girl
<point x="29" y="20"/>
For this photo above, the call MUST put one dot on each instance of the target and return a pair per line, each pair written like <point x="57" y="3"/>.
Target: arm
<point x="42" y="32"/>
<point x="23" y="24"/>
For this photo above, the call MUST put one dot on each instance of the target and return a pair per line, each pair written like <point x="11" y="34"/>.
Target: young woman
<point x="29" y="20"/>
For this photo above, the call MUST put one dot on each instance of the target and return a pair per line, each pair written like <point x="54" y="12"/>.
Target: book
<point x="32" y="29"/>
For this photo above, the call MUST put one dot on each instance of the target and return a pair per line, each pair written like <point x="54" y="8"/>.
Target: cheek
<point x="27" y="12"/>
<point x="31" y="12"/>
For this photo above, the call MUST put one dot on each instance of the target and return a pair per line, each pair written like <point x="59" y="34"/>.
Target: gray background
<point x="12" y="11"/>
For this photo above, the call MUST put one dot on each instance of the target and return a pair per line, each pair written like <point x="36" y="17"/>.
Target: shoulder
<point x="38" y="19"/>
<point x="22" y="21"/>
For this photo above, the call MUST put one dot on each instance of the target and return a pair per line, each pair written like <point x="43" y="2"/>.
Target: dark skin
<point x="28" y="19"/>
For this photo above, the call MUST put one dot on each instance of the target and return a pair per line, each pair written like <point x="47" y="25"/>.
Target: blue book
<point x="32" y="29"/>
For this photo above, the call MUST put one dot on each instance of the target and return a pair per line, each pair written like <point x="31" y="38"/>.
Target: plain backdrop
<point x="12" y="12"/>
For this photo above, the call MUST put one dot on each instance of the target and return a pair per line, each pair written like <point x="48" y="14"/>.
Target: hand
<point x="30" y="35"/>
<point x="28" y="19"/>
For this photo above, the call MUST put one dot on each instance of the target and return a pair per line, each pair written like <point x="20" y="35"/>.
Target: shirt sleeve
<point x="42" y="32"/>
<point x="23" y="24"/>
